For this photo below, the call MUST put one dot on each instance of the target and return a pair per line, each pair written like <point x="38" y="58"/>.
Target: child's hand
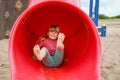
<point x="61" y="37"/>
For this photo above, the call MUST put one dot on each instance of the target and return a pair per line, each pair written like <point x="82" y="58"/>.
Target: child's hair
<point x="51" y="28"/>
<point x="54" y="28"/>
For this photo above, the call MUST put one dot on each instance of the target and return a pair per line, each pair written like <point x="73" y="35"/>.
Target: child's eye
<point x="54" y="31"/>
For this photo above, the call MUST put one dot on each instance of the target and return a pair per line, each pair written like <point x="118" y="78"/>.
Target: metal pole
<point x="96" y="12"/>
<point x="90" y="8"/>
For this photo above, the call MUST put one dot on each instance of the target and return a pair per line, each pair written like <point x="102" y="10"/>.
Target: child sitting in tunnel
<point x="50" y="49"/>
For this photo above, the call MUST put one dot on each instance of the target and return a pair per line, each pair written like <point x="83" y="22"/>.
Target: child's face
<point x="52" y="34"/>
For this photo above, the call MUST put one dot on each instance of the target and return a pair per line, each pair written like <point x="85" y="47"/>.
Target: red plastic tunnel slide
<point x="82" y="57"/>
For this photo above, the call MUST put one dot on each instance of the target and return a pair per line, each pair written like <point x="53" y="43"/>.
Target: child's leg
<point x="58" y="57"/>
<point x="43" y="55"/>
<point x="59" y="54"/>
<point x="60" y="45"/>
<point x="53" y="61"/>
<point x="48" y="60"/>
<point x="40" y="54"/>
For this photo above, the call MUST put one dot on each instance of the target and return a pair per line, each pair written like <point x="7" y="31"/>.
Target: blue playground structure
<point x="94" y="14"/>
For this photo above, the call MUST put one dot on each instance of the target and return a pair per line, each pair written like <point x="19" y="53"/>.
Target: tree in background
<point x="102" y="16"/>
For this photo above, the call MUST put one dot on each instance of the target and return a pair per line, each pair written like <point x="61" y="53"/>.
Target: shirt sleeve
<point x="39" y="42"/>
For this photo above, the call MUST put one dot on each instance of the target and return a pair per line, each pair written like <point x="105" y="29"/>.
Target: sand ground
<point x="4" y="64"/>
<point x="110" y="68"/>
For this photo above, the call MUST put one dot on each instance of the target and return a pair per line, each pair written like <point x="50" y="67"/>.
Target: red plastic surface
<point x="82" y="57"/>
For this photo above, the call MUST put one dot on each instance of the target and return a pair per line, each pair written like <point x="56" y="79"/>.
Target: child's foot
<point x="36" y="49"/>
<point x="40" y="54"/>
<point x="60" y="44"/>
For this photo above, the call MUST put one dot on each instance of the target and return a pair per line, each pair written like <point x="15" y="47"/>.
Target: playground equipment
<point x="94" y="14"/>
<point x="82" y="57"/>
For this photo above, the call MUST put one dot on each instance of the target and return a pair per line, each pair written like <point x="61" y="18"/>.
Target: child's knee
<point x="44" y="49"/>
